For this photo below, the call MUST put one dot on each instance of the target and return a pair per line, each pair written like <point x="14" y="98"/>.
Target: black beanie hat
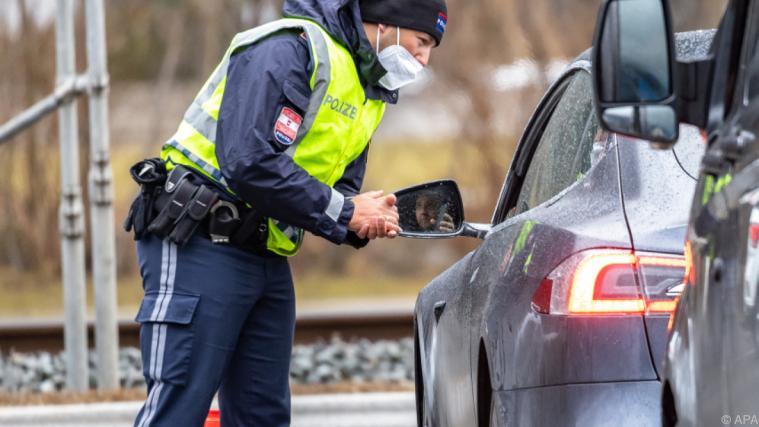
<point x="428" y="16"/>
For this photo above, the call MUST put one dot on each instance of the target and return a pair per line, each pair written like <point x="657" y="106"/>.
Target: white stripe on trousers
<point x="158" y="341"/>
<point x="169" y="292"/>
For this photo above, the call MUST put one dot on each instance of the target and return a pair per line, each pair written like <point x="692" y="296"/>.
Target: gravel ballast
<point x="336" y="361"/>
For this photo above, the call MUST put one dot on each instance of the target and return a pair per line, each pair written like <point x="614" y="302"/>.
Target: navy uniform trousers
<point x="214" y="318"/>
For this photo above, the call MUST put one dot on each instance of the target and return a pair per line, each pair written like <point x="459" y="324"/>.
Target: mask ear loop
<point x="398" y="36"/>
<point x="378" y="40"/>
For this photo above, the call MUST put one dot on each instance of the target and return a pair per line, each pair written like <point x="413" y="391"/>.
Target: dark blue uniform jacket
<point x="270" y="75"/>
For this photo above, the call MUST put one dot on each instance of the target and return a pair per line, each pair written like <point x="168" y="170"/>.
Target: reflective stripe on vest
<point x="338" y="122"/>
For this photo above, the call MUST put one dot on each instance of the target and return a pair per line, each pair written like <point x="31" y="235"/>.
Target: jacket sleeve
<point x="262" y="81"/>
<point x="350" y="185"/>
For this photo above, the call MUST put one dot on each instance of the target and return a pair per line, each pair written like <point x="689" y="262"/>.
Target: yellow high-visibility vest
<point x="327" y="140"/>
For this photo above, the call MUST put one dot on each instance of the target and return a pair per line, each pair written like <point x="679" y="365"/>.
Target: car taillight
<point x="754" y="235"/>
<point x="611" y="281"/>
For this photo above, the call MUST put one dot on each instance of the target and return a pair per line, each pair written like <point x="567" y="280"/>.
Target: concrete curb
<point x="94" y="414"/>
<point x="325" y="410"/>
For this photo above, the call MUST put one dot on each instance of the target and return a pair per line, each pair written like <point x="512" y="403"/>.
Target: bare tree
<point x="28" y="202"/>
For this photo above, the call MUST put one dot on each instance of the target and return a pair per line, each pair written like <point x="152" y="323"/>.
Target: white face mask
<point x="402" y="68"/>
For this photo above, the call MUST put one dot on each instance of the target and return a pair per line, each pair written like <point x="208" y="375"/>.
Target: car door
<point x="713" y="320"/>
<point x="741" y="197"/>
<point x="548" y="173"/>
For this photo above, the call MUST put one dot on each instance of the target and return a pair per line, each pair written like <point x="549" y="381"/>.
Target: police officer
<point x="274" y="143"/>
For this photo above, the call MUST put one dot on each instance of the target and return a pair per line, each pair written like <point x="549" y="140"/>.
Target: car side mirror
<point x="431" y="210"/>
<point x="633" y="70"/>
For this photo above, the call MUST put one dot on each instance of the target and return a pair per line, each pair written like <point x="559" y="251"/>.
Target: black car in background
<point x="711" y="373"/>
<point x="560" y="316"/>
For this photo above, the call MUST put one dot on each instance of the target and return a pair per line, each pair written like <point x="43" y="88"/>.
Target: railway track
<point x="310" y="326"/>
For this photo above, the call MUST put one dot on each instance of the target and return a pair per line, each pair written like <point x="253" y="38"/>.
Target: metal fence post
<point x="101" y="197"/>
<point x="71" y="209"/>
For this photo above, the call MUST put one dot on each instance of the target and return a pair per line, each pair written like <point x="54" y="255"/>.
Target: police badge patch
<point x="287" y="125"/>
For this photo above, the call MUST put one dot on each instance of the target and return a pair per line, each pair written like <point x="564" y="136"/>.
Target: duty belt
<point x="183" y="205"/>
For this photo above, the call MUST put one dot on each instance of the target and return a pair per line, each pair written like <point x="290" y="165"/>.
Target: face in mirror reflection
<point x="429" y="211"/>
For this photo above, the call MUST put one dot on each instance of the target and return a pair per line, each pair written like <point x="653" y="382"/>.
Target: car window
<point x="563" y="154"/>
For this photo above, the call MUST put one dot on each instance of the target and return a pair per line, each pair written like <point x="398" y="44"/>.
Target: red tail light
<point x="754" y="235"/>
<point x="213" y="419"/>
<point x="611" y="281"/>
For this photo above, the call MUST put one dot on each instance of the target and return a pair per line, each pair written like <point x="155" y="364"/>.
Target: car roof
<point x="688" y="44"/>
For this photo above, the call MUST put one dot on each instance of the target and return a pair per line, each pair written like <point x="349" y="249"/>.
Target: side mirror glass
<point x="431" y="210"/>
<point x="658" y="122"/>
<point x="633" y="65"/>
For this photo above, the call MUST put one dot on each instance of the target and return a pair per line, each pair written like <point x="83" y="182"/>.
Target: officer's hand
<point x="374" y="215"/>
<point x="378" y="227"/>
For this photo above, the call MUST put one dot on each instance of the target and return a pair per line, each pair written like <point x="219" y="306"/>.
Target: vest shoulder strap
<point x="320" y="45"/>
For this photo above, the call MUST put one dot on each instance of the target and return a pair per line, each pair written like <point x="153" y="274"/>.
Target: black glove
<point x="150" y="174"/>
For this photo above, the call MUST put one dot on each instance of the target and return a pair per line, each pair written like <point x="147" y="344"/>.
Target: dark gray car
<point x="560" y="316"/>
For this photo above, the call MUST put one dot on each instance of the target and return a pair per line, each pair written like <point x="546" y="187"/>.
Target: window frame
<point x="749" y="61"/>
<point x="530" y="140"/>
<point x="726" y="84"/>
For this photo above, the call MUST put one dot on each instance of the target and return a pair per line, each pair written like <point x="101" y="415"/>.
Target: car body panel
<point x="510" y="272"/>
<point x="656" y="206"/>
<point x="633" y="404"/>
<point x="443" y="354"/>
<point x="714" y="345"/>
<point x="710" y="371"/>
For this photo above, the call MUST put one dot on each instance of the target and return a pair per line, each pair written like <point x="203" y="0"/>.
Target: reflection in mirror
<point x="430" y="210"/>
<point x="634" y="47"/>
<point x="652" y="122"/>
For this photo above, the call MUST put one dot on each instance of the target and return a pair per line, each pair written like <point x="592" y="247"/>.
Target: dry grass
<point x="26" y="295"/>
<point x="126" y="395"/>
